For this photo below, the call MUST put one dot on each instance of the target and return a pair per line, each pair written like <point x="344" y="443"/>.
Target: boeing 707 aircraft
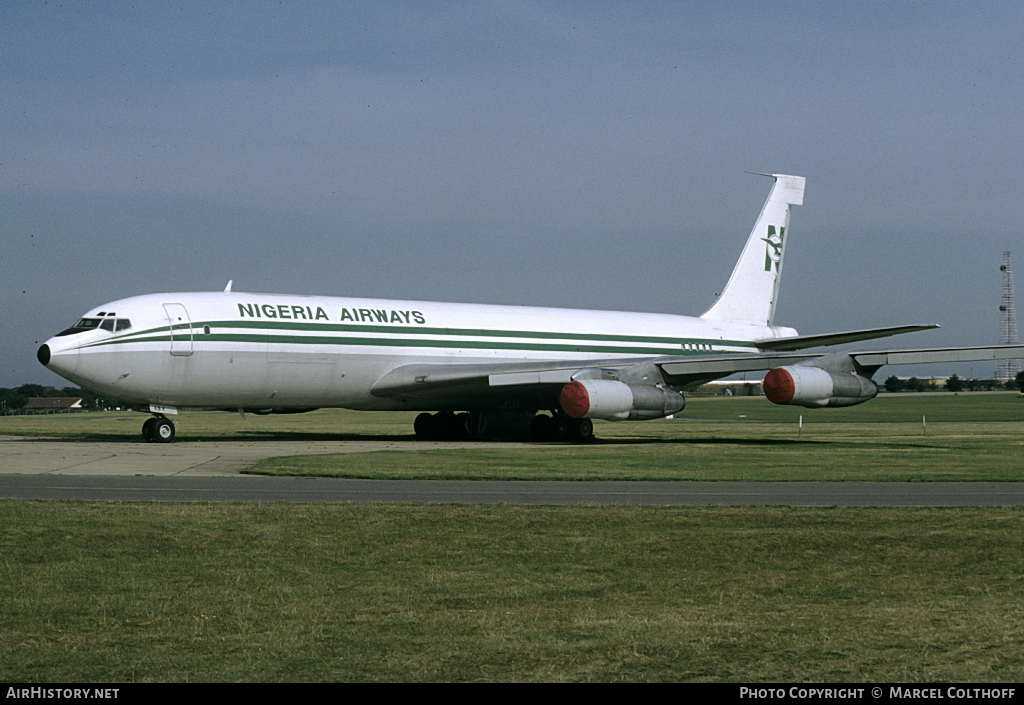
<point x="474" y="370"/>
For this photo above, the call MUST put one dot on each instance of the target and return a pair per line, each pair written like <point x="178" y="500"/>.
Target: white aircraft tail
<point x="750" y="295"/>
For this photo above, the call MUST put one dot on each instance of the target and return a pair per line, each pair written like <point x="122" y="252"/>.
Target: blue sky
<point x="586" y="155"/>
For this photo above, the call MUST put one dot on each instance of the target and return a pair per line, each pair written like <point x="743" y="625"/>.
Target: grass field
<point x="163" y="592"/>
<point x="710" y="450"/>
<point x="969" y="437"/>
<point x="223" y="592"/>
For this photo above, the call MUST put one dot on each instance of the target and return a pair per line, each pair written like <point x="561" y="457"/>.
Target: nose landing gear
<point x="158" y="429"/>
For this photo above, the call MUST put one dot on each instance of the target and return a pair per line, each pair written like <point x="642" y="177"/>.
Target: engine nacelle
<point x="814" y="387"/>
<point x="616" y="401"/>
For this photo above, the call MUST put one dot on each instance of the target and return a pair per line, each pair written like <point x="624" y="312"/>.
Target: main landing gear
<point x="562" y="427"/>
<point x="158" y="429"/>
<point x="447" y="425"/>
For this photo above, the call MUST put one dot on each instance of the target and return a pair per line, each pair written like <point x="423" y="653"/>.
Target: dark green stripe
<point x="672" y="346"/>
<point x="475" y="332"/>
<point x="416" y="343"/>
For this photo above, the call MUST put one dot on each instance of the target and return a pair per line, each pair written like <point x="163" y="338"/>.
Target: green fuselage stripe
<point x="453" y="338"/>
<point x="470" y="332"/>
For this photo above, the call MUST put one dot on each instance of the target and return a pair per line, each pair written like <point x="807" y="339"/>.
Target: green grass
<point x="966" y="438"/>
<point x="976" y="437"/>
<point x="985" y="458"/>
<point x="166" y="592"/>
<point x="223" y="592"/>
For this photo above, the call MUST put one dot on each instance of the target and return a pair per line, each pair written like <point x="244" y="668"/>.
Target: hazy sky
<point x="579" y="154"/>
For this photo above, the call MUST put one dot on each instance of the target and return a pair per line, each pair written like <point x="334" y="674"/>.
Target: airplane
<point x="472" y="370"/>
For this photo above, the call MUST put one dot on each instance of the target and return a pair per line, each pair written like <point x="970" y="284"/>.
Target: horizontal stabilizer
<point x="801" y="342"/>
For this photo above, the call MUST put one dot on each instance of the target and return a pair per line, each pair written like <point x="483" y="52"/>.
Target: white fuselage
<point x="234" y="349"/>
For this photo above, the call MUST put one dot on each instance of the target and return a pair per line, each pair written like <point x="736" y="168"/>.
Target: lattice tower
<point x="1007" y="369"/>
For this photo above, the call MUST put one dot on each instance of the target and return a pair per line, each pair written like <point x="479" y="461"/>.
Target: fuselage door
<point x="181" y="329"/>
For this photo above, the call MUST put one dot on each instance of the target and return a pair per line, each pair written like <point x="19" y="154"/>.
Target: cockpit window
<point x="83" y="325"/>
<point x="87" y="324"/>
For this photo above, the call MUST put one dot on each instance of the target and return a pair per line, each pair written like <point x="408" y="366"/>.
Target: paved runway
<point x="185" y="458"/>
<point x="34" y="468"/>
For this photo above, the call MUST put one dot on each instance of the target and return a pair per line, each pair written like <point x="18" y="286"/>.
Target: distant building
<point x="44" y="404"/>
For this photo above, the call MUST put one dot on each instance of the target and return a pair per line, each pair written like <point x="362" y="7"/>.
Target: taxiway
<point x="69" y="469"/>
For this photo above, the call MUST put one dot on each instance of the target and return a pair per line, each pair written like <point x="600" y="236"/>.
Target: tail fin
<point x="750" y="295"/>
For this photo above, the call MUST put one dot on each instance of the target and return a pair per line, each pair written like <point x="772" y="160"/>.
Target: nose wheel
<point x="158" y="429"/>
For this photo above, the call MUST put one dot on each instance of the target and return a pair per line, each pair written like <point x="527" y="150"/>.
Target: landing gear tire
<point x="561" y="428"/>
<point x="163" y="431"/>
<point x="158" y="430"/>
<point x="425" y="426"/>
<point x="581" y="430"/>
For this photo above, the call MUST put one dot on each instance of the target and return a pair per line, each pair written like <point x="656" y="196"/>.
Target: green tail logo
<point x="773" y="252"/>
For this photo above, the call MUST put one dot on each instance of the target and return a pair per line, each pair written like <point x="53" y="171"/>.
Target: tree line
<point x="954" y="383"/>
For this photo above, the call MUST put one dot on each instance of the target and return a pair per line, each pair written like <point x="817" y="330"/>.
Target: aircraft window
<point x="83" y="325"/>
<point x="107" y="324"/>
<point x="123" y="324"/>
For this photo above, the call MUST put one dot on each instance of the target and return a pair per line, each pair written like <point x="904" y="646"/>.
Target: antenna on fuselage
<point x="228" y="287"/>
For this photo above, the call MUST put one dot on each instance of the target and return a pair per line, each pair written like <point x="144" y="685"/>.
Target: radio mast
<point x="1007" y="369"/>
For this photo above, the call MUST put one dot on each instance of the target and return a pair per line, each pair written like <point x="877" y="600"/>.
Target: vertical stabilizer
<point x="750" y="295"/>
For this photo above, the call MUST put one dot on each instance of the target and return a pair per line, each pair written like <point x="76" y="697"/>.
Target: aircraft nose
<point x="59" y="359"/>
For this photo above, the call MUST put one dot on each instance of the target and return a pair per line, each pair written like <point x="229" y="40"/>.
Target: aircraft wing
<point x="801" y="342"/>
<point x="483" y="382"/>
<point x="980" y="353"/>
<point x="685" y="371"/>
<point x="430" y="380"/>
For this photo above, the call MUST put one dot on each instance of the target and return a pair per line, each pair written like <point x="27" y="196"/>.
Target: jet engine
<point x="814" y="387"/>
<point x="616" y="401"/>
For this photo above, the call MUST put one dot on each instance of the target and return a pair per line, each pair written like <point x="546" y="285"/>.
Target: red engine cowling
<point x="814" y="387"/>
<point x="617" y="401"/>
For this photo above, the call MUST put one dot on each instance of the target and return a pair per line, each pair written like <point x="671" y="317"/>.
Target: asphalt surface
<point x="184" y="458"/>
<point x="46" y="468"/>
